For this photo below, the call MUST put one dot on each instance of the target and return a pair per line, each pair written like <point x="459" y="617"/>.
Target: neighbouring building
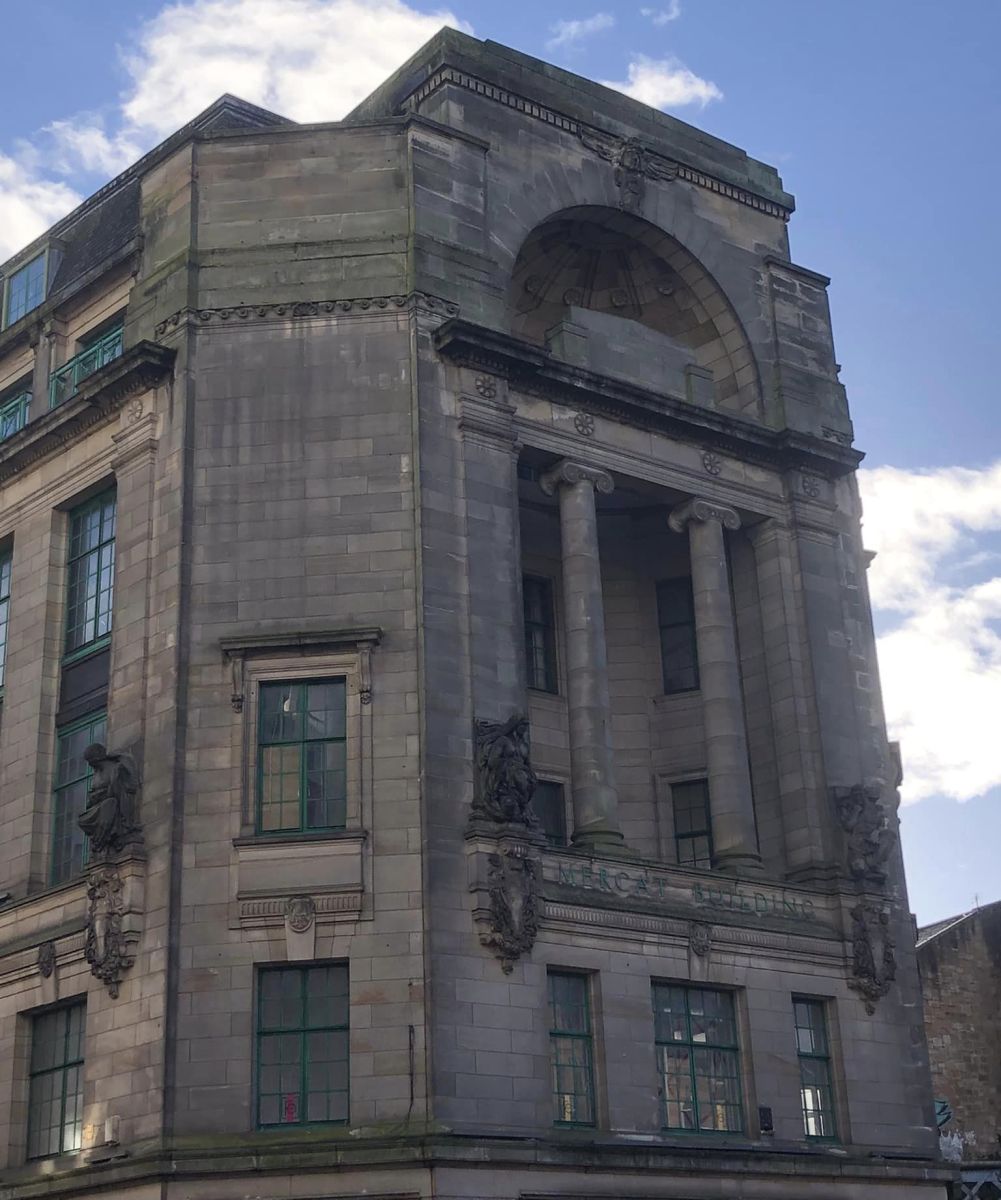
<point x="441" y="740"/>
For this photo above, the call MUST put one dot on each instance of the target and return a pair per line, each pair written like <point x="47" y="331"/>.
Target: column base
<point x="738" y="863"/>
<point x="598" y="839"/>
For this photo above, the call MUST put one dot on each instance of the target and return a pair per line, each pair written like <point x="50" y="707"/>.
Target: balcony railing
<point x="14" y="415"/>
<point x="63" y="383"/>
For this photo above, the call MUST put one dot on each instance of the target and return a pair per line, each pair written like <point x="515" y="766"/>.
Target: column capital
<point x="700" y="509"/>
<point x="568" y="472"/>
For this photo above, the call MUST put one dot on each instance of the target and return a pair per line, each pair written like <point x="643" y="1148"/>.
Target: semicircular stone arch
<point x="611" y="262"/>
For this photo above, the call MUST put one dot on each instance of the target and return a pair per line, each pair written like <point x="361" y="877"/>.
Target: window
<point x="540" y="633"/>
<point x="14" y="412"/>
<point x="25" y="290"/>
<point x="697" y="1058"/>
<point x="302" y="1046"/>
<point x="5" y="561"/>
<point x="301" y="752"/>
<point x="97" y="351"/>
<point x="73" y="773"/>
<point x="55" y="1090"/>
<point x="693" y="839"/>
<point x="550" y="808"/>
<point x="678" y="652"/>
<point x="571" y="1049"/>
<point x="815" y="1086"/>
<point x="91" y="574"/>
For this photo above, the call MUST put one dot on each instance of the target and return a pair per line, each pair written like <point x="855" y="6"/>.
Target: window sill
<point x="296" y="836"/>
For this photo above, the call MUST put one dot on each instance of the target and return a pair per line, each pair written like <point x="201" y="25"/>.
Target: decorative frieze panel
<point x="297" y="884"/>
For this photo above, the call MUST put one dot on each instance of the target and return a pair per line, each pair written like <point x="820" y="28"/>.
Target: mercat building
<point x="441" y="750"/>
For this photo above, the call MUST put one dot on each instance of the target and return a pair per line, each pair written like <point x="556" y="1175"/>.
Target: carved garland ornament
<point x="874" y="964"/>
<point x="105" y="947"/>
<point x="513" y="923"/>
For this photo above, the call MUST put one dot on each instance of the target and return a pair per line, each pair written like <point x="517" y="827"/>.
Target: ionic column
<point x="735" y="845"/>
<point x="592" y="766"/>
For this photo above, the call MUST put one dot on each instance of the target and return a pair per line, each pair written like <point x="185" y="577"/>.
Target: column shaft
<point x="595" y="802"/>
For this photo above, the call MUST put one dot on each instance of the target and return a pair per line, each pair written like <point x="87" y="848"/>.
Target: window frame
<point x="43" y="257"/>
<point x="821" y="1005"/>
<point x="303" y="827"/>
<point x="561" y="785"/>
<point x="583" y="1038"/>
<point x="98" y="641"/>
<point x="549" y="632"/>
<point x="6" y="577"/>
<point x="688" y="987"/>
<point x="65" y="1065"/>
<point x="689" y="624"/>
<point x="302" y="1029"/>
<point x="91" y="721"/>
<point x="707" y="832"/>
<point x="16" y="399"/>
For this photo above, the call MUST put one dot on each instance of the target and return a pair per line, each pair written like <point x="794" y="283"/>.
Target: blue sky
<point x="884" y="118"/>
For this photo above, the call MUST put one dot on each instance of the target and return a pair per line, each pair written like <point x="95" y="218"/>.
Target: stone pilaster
<point x="592" y="764"/>
<point x="735" y="845"/>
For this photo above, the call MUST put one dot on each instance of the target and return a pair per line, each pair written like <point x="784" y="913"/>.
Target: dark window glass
<point x="540" y="633"/>
<point x="5" y="560"/>
<point x="676" y="618"/>
<point x="815" y="1086"/>
<point x="547" y="800"/>
<point x="571" y="1048"/>
<point x="55" y="1087"/>
<point x="302" y="1046"/>
<point x="697" y="1059"/>
<point x="26" y="289"/>
<point x="301" y="752"/>
<point x="14" y="409"/>
<point x="73" y="774"/>
<point x="91" y="574"/>
<point x="692" y="829"/>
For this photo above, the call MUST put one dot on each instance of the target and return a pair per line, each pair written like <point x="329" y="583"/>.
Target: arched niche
<point x="604" y="261"/>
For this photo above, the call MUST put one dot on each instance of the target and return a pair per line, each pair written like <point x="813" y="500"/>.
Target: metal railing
<point x="14" y="415"/>
<point x="63" y="384"/>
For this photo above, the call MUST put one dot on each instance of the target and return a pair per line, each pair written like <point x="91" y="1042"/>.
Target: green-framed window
<point x="302" y="1046"/>
<point x="55" y="1086"/>
<point x="550" y="807"/>
<point x="571" y="1048"/>
<point x="14" y="413"/>
<point x="816" y="1087"/>
<point x="91" y="568"/>
<point x="73" y="775"/>
<point x="540" y="633"/>
<point x="693" y="838"/>
<point x="302" y="756"/>
<point x="679" y="656"/>
<point x="97" y="351"/>
<point x="5" y="566"/>
<point x="698" y="1059"/>
<point x="25" y="290"/>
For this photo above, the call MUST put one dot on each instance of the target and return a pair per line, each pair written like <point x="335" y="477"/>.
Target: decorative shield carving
<point x="47" y="959"/>
<point x="300" y="912"/>
<point x="700" y="938"/>
<point x="874" y="965"/>
<point x="513" y="918"/>
<point x="105" y="947"/>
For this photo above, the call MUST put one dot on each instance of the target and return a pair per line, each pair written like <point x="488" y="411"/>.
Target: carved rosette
<point x="512" y="916"/>
<point x="874" y="963"/>
<point x="869" y="840"/>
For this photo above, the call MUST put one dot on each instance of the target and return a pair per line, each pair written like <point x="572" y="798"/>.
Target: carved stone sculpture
<point x="868" y="837"/>
<point x="633" y="165"/>
<point x="300" y="912"/>
<point x="513" y="920"/>
<point x="700" y="938"/>
<point x="106" y="948"/>
<point x="111" y="818"/>
<point x="505" y="780"/>
<point x="47" y="959"/>
<point x="874" y="965"/>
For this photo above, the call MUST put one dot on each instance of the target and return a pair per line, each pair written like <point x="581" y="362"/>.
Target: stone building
<point x="441" y="740"/>
<point x="960" y="964"/>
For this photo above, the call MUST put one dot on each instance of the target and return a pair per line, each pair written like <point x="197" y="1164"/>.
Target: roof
<point x="928" y="933"/>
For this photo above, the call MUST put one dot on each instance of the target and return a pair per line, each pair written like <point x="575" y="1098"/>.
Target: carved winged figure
<point x="111" y="818"/>
<point x="868" y="836"/>
<point x="505" y="780"/>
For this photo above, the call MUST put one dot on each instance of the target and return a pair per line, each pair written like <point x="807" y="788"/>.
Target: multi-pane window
<point x="91" y="574"/>
<point x="55" y="1089"/>
<point x="571" y="1048"/>
<point x="550" y="808"/>
<point x="25" y="290"/>
<point x="697" y="1059"/>
<point x="302" y="1046"/>
<point x="5" y="560"/>
<point x="14" y="412"/>
<point x="73" y="774"/>
<point x="540" y="633"/>
<point x="816" y="1088"/>
<point x="693" y="839"/>
<point x="301" y="756"/>
<point x="678" y="652"/>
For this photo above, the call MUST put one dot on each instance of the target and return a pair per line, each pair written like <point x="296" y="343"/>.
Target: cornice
<point x="652" y="164"/>
<point x="252" y="314"/>
<point x="99" y="398"/>
<point x="532" y="369"/>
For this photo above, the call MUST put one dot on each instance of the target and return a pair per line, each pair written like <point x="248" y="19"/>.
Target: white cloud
<point x="941" y="662"/>
<point x="663" y="16"/>
<point x="566" y="33"/>
<point x="665" y="83"/>
<point x="311" y="60"/>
